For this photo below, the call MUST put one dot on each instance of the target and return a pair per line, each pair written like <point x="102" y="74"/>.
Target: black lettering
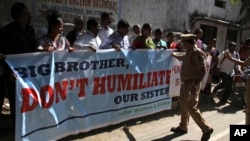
<point x="103" y="64"/>
<point x="120" y="62"/>
<point x="111" y="63"/>
<point x="118" y="99"/>
<point x="72" y="66"/>
<point x="22" y="72"/>
<point x="32" y="71"/>
<point x="59" y="67"/>
<point x="44" y="69"/>
<point x="84" y="65"/>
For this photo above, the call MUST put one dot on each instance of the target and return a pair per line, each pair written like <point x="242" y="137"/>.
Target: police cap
<point x="188" y="36"/>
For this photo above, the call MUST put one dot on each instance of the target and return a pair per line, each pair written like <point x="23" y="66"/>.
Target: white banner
<point x="61" y="93"/>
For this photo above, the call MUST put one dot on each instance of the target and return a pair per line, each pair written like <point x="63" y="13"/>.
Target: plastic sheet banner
<point x="61" y="93"/>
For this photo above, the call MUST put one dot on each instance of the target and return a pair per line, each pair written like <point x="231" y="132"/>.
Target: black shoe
<point x="178" y="130"/>
<point x="206" y="136"/>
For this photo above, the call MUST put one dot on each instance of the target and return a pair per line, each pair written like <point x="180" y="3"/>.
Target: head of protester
<point x="90" y="39"/>
<point x="21" y="14"/>
<point x="137" y="29"/>
<point x="144" y="41"/>
<point x="118" y="39"/>
<point x="123" y="27"/>
<point x="159" y="43"/>
<point x="231" y="46"/>
<point x="77" y="31"/>
<point x="106" y="19"/>
<point x="199" y="33"/>
<point x="93" y="26"/>
<point x="54" y="39"/>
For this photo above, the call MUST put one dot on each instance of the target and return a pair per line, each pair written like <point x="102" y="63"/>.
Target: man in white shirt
<point x="89" y="40"/>
<point x="227" y="70"/>
<point x="106" y="30"/>
<point x="136" y="32"/>
<point x="119" y="38"/>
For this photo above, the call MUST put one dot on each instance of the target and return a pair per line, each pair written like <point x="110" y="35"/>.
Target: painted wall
<point x="174" y="14"/>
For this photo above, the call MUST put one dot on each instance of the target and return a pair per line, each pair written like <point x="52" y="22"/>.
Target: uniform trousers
<point x="188" y="107"/>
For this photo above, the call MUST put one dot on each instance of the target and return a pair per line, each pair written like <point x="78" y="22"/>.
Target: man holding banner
<point x="192" y="72"/>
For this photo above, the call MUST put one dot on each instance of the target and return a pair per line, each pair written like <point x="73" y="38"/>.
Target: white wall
<point x="174" y="14"/>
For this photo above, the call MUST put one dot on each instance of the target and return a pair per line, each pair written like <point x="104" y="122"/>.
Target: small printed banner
<point x="61" y="93"/>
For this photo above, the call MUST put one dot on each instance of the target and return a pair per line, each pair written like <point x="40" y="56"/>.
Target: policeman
<point x="245" y="63"/>
<point x="192" y="71"/>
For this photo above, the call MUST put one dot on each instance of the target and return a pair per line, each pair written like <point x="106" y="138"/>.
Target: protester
<point x="77" y="31"/>
<point x="193" y="61"/>
<point x="227" y="70"/>
<point x="245" y="63"/>
<point x="17" y="37"/>
<point x="44" y="29"/>
<point x="170" y="41"/>
<point x="198" y="32"/>
<point x="159" y="43"/>
<point x="144" y="41"/>
<point x="54" y="40"/>
<point x="118" y="39"/>
<point x="89" y="40"/>
<point x="136" y="32"/>
<point x="106" y="30"/>
<point x="213" y="73"/>
<point x="243" y="49"/>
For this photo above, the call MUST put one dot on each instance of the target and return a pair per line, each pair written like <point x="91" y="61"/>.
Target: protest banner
<point x="61" y="93"/>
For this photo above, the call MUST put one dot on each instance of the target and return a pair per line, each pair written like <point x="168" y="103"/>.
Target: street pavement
<point x="156" y="127"/>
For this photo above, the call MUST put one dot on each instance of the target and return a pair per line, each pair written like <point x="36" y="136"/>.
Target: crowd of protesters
<point x="19" y="37"/>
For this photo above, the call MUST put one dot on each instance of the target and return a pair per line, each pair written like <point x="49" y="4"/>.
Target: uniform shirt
<point x="61" y="44"/>
<point x="193" y="63"/>
<point x="87" y="39"/>
<point x="104" y="33"/>
<point x="225" y="65"/>
<point x="115" y="39"/>
<point x="14" y="40"/>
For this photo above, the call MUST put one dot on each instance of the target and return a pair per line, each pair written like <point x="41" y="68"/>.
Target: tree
<point x="245" y="7"/>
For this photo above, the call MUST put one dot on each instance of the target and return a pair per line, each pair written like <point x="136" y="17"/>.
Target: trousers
<point x="189" y="107"/>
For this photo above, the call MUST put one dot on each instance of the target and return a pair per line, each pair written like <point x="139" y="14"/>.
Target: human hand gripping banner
<point x="61" y="93"/>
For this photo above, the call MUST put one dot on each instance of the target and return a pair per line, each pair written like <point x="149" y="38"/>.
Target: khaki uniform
<point x="247" y="63"/>
<point x="193" y="63"/>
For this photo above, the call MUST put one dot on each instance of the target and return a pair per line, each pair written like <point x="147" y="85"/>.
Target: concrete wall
<point x="174" y="14"/>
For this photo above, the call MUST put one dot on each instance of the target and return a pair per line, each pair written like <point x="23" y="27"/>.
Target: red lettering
<point x="27" y="94"/>
<point x="82" y="83"/>
<point x="61" y="91"/>
<point x="111" y="83"/>
<point x="99" y="83"/>
<point x="123" y="82"/>
<point x="155" y="79"/>
<point x="168" y="72"/>
<point x="47" y="93"/>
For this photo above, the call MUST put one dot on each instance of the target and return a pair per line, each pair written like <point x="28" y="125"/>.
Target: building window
<point x="220" y="3"/>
